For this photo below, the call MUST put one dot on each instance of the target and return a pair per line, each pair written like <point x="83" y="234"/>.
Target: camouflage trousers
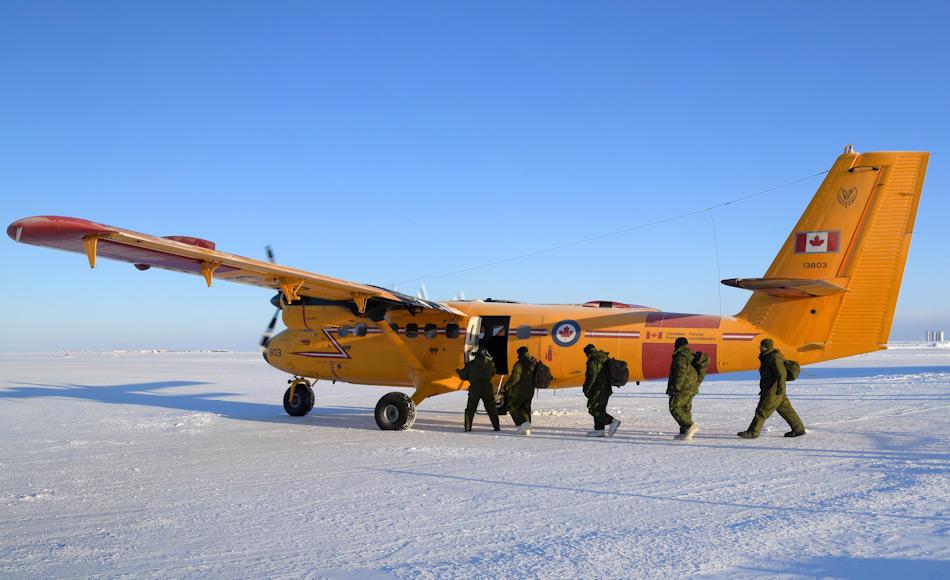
<point x="681" y="408"/>
<point x="486" y="396"/>
<point x="769" y="402"/>
<point x="520" y="410"/>
<point x="597" y="407"/>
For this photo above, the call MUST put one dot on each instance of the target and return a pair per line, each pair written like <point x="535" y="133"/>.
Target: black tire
<point x="395" y="412"/>
<point x="302" y="402"/>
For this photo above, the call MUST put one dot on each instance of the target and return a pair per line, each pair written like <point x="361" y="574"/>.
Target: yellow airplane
<point x="829" y="293"/>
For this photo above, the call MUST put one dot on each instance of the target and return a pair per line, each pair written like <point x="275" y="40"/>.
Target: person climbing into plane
<point x="597" y="389"/>
<point x="687" y="371"/>
<point x="479" y="372"/>
<point x="519" y="391"/>
<point x="772" y="393"/>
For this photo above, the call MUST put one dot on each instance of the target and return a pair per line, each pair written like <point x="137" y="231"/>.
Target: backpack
<point x="792" y="368"/>
<point x="541" y="376"/>
<point x="617" y="372"/>
<point x="700" y="363"/>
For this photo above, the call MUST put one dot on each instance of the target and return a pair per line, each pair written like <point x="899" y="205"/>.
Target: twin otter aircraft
<point x="829" y="293"/>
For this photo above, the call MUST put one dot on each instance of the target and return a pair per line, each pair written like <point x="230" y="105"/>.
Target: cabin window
<point x="343" y="331"/>
<point x="360" y="329"/>
<point x="451" y="330"/>
<point x="524" y="331"/>
<point x="412" y="330"/>
<point x="431" y="330"/>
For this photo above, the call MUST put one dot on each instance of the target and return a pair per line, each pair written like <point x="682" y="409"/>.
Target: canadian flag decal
<point x="816" y="242"/>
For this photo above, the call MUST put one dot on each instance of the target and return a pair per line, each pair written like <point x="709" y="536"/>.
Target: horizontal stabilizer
<point x="787" y="287"/>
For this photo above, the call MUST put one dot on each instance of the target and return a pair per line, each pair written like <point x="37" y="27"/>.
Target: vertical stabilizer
<point x="854" y="236"/>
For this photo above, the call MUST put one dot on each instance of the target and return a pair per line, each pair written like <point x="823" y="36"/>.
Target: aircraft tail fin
<point x="832" y="288"/>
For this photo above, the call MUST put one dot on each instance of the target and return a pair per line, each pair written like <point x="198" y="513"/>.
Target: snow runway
<point x="183" y="464"/>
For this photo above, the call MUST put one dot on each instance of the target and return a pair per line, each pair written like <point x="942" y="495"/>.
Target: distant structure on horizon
<point x="935" y="336"/>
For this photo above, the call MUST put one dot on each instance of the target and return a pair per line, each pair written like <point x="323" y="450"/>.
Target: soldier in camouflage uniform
<point x="519" y="390"/>
<point x="682" y="386"/>
<point x="479" y="372"/>
<point x="772" y="393"/>
<point x="597" y="389"/>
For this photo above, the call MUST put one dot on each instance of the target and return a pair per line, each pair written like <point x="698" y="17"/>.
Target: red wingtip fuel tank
<point x="53" y="231"/>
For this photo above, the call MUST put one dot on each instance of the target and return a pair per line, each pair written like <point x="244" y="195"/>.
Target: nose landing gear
<point x="298" y="399"/>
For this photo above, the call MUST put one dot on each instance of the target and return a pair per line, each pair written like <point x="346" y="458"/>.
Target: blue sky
<point x="383" y="141"/>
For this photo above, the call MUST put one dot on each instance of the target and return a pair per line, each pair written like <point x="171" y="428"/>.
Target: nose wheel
<point x="298" y="399"/>
<point x="395" y="412"/>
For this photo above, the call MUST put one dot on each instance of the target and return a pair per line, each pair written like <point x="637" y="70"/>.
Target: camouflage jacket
<point x="772" y="372"/>
<point x="595" y="379"/>
<point x="519" y="383"/>
<point x="478" y="372"/>
<point x="683" y="375"/>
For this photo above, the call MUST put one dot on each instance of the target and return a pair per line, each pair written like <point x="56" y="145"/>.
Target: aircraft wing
<point x="196" y="256"/>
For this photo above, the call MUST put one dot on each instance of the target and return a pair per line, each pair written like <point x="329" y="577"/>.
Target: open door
<point x="472" y="337"/>
<point x="493" y="337"/>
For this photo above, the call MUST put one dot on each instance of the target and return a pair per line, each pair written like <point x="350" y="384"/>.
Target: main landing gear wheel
<point x="502" y="406"/>
<point x="302" y="400"/>
<point x="395" y="412"/>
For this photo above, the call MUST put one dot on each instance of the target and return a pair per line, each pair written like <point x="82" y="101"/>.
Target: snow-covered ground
<point x="182" y="464"/>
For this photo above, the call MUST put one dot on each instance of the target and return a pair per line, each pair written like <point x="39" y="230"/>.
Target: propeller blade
<point x="269" y="331"/>
<point x="423" y="293"/>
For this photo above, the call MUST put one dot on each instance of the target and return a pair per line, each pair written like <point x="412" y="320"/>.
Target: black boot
<point x="468" y="421"/>
<point x="495" y="423"/>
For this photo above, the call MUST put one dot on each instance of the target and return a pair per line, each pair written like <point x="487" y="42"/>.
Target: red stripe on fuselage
<point x="657" y="357"/>
<point x="677" y="320"/>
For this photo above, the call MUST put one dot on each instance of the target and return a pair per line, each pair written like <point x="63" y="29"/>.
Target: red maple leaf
<point x="816" y="241"/>
<point x="566" y="331"/>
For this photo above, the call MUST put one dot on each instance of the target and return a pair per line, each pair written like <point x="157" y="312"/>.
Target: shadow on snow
<point x="155" y="394"/>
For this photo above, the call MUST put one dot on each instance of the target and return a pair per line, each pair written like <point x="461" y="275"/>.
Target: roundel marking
<point x="566" y="333"/>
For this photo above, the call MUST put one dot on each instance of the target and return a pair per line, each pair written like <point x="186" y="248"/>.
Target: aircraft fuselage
<point x="423" y="350"/>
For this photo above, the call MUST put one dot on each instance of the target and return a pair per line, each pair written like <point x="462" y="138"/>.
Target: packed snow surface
<point x="163" y="464"/>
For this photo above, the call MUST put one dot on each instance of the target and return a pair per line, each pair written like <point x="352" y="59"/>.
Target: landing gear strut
<point x="298" y="399"/>
<point x="395" y="412"/>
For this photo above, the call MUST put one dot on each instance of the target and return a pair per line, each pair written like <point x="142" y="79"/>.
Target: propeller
<point x="269" y="331"/>
<point x="423" y="293"/>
